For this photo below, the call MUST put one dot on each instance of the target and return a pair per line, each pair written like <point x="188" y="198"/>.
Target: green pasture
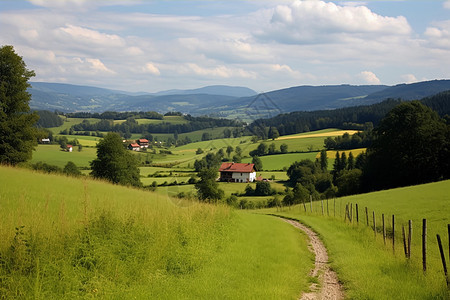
<point x="53" y="155"/>
<point x="369" y="268"/>
<point x="280" y="161"/>
<point x="69" y="122"/>
<point x="66" y="238"/>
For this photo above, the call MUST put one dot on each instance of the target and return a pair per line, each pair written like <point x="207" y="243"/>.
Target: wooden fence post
<point x="404" y="241"/>
<point x="322" y="206"/>
<point x="409" y="237"/>
<point x="328" y="211"/>
<point x="393" y="234"/>
<point x="351" y="212"/>
<point x="357" y="213"/>
<point x="444" y="264"/>
<point x="367" y="217"/>
<point x="374" y="224"/>
<point x="334" y="207"/>
<point x="310" y="202"/>
<point x="346" y="211"/>
<point x="384" y="229"/>
<point x="424" y="244"/>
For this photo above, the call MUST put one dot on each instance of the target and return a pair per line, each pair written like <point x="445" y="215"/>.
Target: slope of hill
<point x="226" y="101"/>
<point x="224" y="90"/>
<point x="412" y="91"/>
<point x="69" y="238"/>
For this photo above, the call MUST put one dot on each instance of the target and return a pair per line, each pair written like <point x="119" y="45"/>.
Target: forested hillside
<point x="356" y="117"/>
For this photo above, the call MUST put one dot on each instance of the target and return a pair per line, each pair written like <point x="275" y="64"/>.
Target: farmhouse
<point x="134" y="147"/>
<point x="69" y="148"/>
<point x="237" y="172"/>
<point x="143" y="143"/>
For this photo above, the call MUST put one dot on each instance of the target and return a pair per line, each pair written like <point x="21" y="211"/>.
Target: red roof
<point x="134" y="145"/>
<point x="69" y="146"/>
<point x="237" y="167"/>
<point x="143" y="141"/>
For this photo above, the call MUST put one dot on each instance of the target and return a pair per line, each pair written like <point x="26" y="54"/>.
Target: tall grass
<point x="67" y="238"/>
<point x="63" y="237"/>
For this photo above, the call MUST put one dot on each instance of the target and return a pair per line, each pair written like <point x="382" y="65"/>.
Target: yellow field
<point x="322" y="134"/>
<point x="332" y="153"/>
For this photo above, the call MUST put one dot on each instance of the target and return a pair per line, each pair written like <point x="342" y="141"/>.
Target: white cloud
<point x="151" y="69"/>
<point x="439" y="35"/>
<point x="98" y="66"/>
<point x="304" y="22"/>
<point x="92" y="37"/>
<point x="369" y="77"/>
<point x="409" y="78"/>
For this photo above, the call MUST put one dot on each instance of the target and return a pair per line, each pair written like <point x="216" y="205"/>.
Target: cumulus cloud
<point x="151" y="69"/>
<point x="409" y="78"/>
<point x="92" y="37"/>
<point x="439" y="35"/>
<point x="304" y="22"/>
<point x="369" y="77"/>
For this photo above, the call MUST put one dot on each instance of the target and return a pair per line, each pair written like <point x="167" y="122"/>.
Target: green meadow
<point x="52" y="154"/>
<point x="370" y="269"/>
<point x="66" y="238"/>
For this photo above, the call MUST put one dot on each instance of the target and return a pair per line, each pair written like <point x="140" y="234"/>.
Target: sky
<point x="150" y="46"/>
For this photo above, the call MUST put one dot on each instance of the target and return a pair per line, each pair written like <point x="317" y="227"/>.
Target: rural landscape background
<point x="114" y="193"/>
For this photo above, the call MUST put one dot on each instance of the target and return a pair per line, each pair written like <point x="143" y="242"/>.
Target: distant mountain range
<point x="225" y="101"/>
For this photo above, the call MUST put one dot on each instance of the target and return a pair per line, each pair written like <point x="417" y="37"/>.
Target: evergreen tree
<point x="115" y="163"/>
<point x="350" y="161"/>
<point x="343" y="162"/>
<point x="323" y="160"/>
<point x="17" y="135"/>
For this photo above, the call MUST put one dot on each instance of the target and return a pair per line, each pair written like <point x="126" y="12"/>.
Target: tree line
<point x="356" y="117"/>
<point x="132" y="126"/>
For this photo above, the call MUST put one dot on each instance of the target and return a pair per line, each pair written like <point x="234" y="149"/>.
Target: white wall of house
<point x="244" y="177"/>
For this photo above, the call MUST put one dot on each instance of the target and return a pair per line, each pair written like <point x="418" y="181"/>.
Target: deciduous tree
<point x="17" y="135"/>
<point x="115" y="163"/>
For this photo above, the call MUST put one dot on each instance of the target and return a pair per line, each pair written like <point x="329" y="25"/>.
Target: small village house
<point x="237" y="172"/>
<point x="69" y="148"/>
<point x="143" y="143"/>
<point x="134" y="147"/>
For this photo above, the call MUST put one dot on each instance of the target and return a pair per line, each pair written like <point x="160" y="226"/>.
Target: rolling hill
<point x="225" y="101"/>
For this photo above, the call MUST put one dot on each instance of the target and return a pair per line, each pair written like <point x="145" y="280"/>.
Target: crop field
<point x="66" y="238"/>
<point x="369" y="268"/>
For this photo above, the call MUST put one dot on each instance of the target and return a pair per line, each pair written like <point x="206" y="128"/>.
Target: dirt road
<point x="329" y="286"/>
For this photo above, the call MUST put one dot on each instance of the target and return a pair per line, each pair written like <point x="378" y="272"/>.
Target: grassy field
<point x="367" y="267"/>
<point x="280" y="161"/>
<point x="66" y="238"/>
<point x="53" y="155"/>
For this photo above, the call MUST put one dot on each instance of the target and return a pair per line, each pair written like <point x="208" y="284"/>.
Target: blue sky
<point x="265" y="45"/>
